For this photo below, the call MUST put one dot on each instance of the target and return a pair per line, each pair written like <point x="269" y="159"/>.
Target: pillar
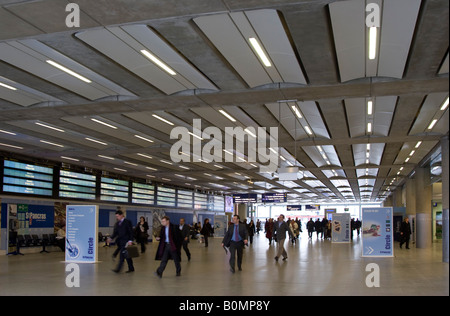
<point x="411" y="206"/>
<point x="445" y="206"/>
<point x="423" y="208"/>
<point x="242" y="211"/>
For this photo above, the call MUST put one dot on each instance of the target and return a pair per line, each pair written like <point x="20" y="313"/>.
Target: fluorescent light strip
<point x="369" y="107"/>
<point x="96" y="141"/>
<point x="146" y="156"/>
<point x="50" y="143"/>
<point x="249" y="132"/>
<point x="106" y="157"/>
<point x="103" y="123"/>
<point x="50" y="127"/>
<point x="143" y="138"/>
<point x="158" y="62"/>
<point x="69" y="158"/>
<point x="150" y="168"/>
<point x="130" y="163"/>
<point x="232" y="119"/>
<point x="369" y="127"/>
<point x="418" y="144"/>
<point x="165" y="161"/>
<point x="432" y="124"/>
<point x="184" y="167"/>
<point x="6" y="132"/>
<point x="70" y="72"/>
<point x="12" y="146"/>
<point x="196" y="136"/>
<point x="123" y="170"/>
<point x="296" y="111"/>
<point x="444" y="105"/>
<point x="7" y="86"/>
<point x="162" y="119"/>
<point x="372" y="42"/>
<point x="260" y="52"/>
<point x="308" y="130"/>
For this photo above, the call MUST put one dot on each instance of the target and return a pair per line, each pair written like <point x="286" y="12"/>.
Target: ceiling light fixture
<point x="12" y="146"/>
<point x="418" y="144"/>
<point x="296" y="111"/>
<point x="6" y="132"/>
<point x="260" y="52"/>
<point x="432" y="124"/>
<point x="443" y="107"/>
<point x="50" y="127"/>
<point x="67" y="70"/>
<point x="69" y="158"/>
<point x="250" y="132"/>
<point x="369" y="127"/>
<point x="106" y="157"/>
<point x="103" y="123"/>
<point x="96" y="141"/>
<point x="162" y="119"/>
<point x="372" y="42"/>
<point x="143" y="138"/>
<point x="228" y="116"/>
<point x="308" y="130"/>
<point x="369" y="107"/>
<point x="145" y="156"/>
<point x="50" y="143"/>
<point x="7" y="86"/>
<point x="158" y="62"/>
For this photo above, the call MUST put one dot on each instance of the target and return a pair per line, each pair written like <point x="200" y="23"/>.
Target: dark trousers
<point x="404" y="239"/>
<point x="186" y="249"/>
<point x="236" y="247"/>
<point x="122" y="258"/>
<point x="168" y="253"/>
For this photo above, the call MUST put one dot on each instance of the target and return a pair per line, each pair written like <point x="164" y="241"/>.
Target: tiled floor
<point x="314" y="267"/>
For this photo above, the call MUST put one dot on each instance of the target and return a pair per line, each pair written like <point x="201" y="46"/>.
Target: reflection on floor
<point x="313" y="267"/>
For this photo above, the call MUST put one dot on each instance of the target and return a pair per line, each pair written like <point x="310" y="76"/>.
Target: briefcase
<point x="131" y="251"/>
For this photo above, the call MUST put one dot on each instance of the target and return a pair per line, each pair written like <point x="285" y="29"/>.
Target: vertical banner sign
<point x="377" y="232"/>
<point x="81" y="233"/>
<point x="340" y="225"/>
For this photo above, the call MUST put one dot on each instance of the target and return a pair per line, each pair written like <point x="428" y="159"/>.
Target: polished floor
<point x="314" y="267"/>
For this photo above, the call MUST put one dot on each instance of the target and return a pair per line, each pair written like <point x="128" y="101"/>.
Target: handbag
<point x="131" y="251"/>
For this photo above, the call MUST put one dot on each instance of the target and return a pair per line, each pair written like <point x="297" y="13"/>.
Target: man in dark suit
<point x="169" y="246"/>
<point x="123" y="230"/>
<point x="279" y="229"/>
<point x="235" y="238"/>
<point x="185" y="231"/>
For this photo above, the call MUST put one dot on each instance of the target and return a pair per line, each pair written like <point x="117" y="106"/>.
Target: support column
<point x="423" y="208"/>
<point x="242" y="211"/>
<point x="445" y="202"/>
<point x="411" y="206"/>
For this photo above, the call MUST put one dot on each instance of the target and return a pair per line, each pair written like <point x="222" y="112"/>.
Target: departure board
<point x="200" y="201"/>
<point x="76" y="185"/>
<point x="113" y="190"/>
<point x="166" y="196"/>
<point x="27" y="178"/>
<point x="185" y="198"/>
<point x="142" y="193"/>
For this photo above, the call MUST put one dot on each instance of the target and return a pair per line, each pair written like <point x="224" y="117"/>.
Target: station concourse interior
<point x="332" y="107"/>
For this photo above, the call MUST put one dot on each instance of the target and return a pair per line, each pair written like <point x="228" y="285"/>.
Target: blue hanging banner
<point x="377" y="232"/>
<point x="81" y="233"/>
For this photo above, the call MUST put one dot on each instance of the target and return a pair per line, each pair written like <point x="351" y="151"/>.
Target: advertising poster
<point x="377" y="232"/>
<point x="340" y="227"/>
<point x="220" y="225"/>
<point x="81" y="233"/>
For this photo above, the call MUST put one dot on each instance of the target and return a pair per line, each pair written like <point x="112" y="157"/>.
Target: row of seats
<point x="34" y="240"/>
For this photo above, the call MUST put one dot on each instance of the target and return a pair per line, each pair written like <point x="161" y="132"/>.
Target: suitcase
<point x="131" y="251"/>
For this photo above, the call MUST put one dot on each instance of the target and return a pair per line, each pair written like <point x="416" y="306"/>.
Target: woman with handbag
<point x="141" y="232"/>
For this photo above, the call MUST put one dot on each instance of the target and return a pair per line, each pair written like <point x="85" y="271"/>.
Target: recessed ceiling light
<point x="150" y="168"/>
<point x="145" y="156"/>
<point x="7" y="86"/>
<point x="103" y="123"/>
<point x="369" y="107"/>
<point x="162" y="119"/>
<point x="165" y="161"/>
<point x="196" y="136"/>
<point x="372" y="42"/>
<point x="369" y="127"/>
<point x="232" y="119"/>
<point x="418" y="144"/>
<point x="158" y="62"/>
<point x="259" y="51"/>
<point x="95" y="141"/>
<point x="308" y="130"/>
<point x="12" y="146"/>
<point x="123" y="170"/>
<point x="444" y="105"/>
<point x="433" y="122"/>
<point x="69" y="158"/>
<point x="248" y="131"/>
<point x="106" y="157"/>
<point x="296" y="111"/>
<point x="143" y="138"/>
<point x="50" y="143"/>
<point x="6" y="132"/>
<point x="48" y="126"/>
<point x="130" y="163"/>
<point x="67" y="70"/>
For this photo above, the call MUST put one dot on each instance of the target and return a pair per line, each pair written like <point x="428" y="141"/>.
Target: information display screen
<point x="200" y="201"/>
<point x="114" y="190"/>
<point x="142" y="193"/>
<point x="27" y="178"/>
<point x="245" y="198"/>
<point x="274" y="197"/>
<point x="185" y="198"/>
<point x="76" y="185"/>
<point x="166" y="196"/>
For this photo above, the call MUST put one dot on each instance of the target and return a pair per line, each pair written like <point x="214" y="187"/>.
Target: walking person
<point x="185" y="231"/>
<point x="123" y="231"/>
<point x="317" y="227"/>
<point x="310" y="228"/>
<point x="141" y="233"/>
<point x="251" y="231"/>
<point x="279" y="230"/>
<point x="269" y="230"/>
<point x="405" y="233"/>
<point x="235" y="239"/>
<point x="324" y="228"/>
<point x="206" y="231"/>
<point x="169" y="246"/>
